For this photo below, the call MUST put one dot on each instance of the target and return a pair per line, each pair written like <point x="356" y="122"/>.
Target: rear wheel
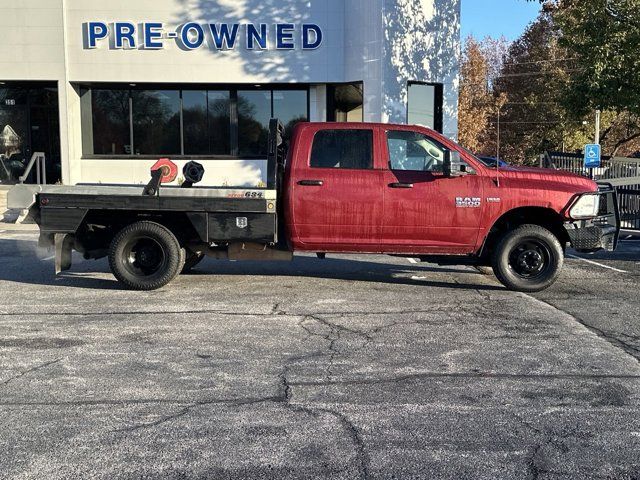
<point x="145" y="256"/>
<point x="528" y="259"/>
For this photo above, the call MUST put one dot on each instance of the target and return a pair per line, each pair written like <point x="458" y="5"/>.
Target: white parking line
<point x="412" y="260"/>
<point x="48" y="258"/>
<point x="598" y="264"/>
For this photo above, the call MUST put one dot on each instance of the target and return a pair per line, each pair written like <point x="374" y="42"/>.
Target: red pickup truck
<point x="335" y="188"/>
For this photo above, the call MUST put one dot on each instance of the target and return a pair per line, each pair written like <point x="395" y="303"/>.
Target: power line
<point x="541" y="61"/>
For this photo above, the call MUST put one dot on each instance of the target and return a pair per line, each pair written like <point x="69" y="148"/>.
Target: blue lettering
<point x="124" y="31"/>
<point x="307" y="30"/>
<point x="224" y="39"/>
<point x="151" y="35"/>
<point x="253" y="35"/>
<point x="96" y="31"/>
<point x="194" y="42"/>
<point x="284" y="36"/>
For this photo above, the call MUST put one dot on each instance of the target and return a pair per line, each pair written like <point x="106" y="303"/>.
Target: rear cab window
<point x="343" y="149"/>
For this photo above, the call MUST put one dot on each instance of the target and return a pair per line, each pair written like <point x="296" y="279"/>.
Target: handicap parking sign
<point x="592" y="156"/>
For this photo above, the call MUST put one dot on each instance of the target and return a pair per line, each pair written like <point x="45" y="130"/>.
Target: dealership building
<point x="104" y="89"/>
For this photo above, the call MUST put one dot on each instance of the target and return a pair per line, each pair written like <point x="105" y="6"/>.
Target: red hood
<point x="549" y="178"/>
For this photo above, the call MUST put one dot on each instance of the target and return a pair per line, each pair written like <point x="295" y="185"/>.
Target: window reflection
<point x="219" y="122"/>
<point x="290" y="106"/>
<point x="254" y="112"/>
<point x="156" y="122"/>
<point x="110" y="115"/>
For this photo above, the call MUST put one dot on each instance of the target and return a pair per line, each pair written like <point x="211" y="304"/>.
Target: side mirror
<point x="453" y="166"/>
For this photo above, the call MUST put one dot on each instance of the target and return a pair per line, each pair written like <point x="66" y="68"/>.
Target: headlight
<point x="587" y="206"/>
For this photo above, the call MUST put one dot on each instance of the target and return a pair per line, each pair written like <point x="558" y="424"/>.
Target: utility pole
<point x="597" y="140"/>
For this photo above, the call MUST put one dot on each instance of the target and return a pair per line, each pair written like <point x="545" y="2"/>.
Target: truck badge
<point x="468" y="202"/>
<point x="242" y="222"/>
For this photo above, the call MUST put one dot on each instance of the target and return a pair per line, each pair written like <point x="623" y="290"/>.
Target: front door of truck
<point x="423" y="209"/>
<point x="337" y="193"/>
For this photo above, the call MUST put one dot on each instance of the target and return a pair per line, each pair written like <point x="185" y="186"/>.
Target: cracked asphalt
<point x="349" y="367"/>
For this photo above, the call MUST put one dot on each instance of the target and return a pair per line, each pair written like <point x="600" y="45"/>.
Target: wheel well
<point x="100" y="226"/>
<point x="544" y="217"/>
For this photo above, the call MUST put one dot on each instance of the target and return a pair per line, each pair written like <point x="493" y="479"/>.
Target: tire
<point x="528" y="259"/>
<point x="145" y="256"/>
<point x="192" y="259"/>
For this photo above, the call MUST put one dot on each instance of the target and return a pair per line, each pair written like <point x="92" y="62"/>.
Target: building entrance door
<point x="29" y="122"/>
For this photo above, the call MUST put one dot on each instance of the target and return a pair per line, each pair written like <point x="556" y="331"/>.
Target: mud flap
<point x="63" y="244"/>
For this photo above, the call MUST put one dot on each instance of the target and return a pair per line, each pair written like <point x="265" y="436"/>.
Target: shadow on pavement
<point x="22" y="262"/>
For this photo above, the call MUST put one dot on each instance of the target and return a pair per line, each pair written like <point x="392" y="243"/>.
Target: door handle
<point x="401" y="185"/>
<point x="311" y="183"/>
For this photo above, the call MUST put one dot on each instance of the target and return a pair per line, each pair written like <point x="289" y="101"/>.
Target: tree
<point x="533" y="73"/>
<point x="477" y="102"/>
<point x="603" y="38"/>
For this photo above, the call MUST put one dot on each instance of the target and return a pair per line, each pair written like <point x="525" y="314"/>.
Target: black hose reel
<point x="193" y="173"/>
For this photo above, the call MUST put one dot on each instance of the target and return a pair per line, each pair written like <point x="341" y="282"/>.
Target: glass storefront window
<point x="186" y="122"/>
<point x="13" y="134"/>
<point x="290" y="106"/>
<point x="254" y="113"/>
<point x="156" y="122"/>
<point x="110" y="122"/>
<point x="219" y="122"/>
<point x="195" y="123"/>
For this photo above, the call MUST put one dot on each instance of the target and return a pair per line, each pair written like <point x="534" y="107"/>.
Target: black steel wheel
<point x="528" y="259"/>
<point x="145" y="256"/>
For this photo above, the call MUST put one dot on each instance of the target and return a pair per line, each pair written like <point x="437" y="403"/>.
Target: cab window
<point x="414" y="151"/>
<point x="347" y="149"/>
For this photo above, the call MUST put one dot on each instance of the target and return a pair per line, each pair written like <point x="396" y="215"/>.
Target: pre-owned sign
<point x="192" y="35"/>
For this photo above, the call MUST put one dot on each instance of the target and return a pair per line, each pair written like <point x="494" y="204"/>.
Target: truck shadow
<point x="22" y="262"/>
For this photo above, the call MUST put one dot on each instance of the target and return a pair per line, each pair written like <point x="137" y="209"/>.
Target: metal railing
<point x="39" y="160"/>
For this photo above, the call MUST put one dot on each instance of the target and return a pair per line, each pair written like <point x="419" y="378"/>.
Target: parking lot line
<point x="412" y="260"/>
<point x="48" y="258"/>
<point x="598" y="264"/>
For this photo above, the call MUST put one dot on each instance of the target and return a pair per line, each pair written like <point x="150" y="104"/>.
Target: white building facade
<point x="106" y="88"/>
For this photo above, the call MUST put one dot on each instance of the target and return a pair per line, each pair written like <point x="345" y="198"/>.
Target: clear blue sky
<point x="497" y="17"/>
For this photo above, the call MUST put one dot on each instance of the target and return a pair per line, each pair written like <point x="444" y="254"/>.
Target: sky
<point x="497" y="17"/>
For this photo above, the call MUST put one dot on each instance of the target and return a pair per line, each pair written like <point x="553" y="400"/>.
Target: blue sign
<point x="592" y="156"/>
<point x="192" y="35"/>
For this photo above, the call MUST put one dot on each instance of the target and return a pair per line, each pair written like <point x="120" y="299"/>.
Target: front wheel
<point x="145" y="256"/>
<point x="528" y="259"/>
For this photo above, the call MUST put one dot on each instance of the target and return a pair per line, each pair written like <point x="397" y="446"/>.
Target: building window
<point x="289" y="106"/>
<point x="156" y="122"/>
<point x="219" y="122"/>
<point x="345" y="102"/>
<point x="254" y="112"/>
<point x="349" y="149"/>
<point x="206" y="122"/>
<point x="196" y="122"/>
<point x="110" y="122"/>
<point x="424" y="105"/>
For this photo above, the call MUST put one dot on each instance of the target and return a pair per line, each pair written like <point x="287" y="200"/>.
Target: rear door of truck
<point x="336" y="193"/>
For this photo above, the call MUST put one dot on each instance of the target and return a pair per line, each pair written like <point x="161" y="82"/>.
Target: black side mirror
<point x="453" y="166"/>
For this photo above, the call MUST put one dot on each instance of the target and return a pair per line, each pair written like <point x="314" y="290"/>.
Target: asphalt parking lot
<point x="349" y="367"/>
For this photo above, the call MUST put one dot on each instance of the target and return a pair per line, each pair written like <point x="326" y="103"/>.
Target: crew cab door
<point x="336" y="193"/>
<point x="424" y="210"/>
